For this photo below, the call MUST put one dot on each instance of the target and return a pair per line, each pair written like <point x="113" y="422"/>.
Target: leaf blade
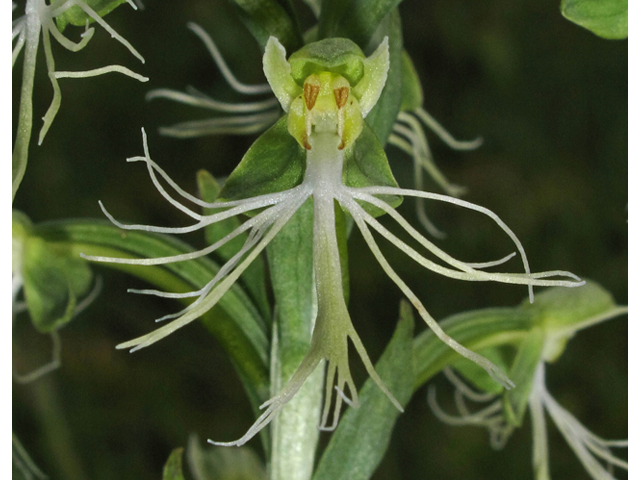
<point x="355" y="19"/>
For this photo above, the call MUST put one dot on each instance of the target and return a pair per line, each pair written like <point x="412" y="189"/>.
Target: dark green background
<point x="548" y="97"/>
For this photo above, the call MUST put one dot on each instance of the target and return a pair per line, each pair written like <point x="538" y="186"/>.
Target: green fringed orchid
<point x="322" y="151"/>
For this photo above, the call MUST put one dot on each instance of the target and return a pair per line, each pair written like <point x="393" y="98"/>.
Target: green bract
<point x="412" y="96"/>
<point x="522" y="373"/>
<point x="275" y="162"/>
<point x="366" y="165"/>
<point x="173" y="468"/>
<point x="555" y="316"/>
<point x="206" y="463"/>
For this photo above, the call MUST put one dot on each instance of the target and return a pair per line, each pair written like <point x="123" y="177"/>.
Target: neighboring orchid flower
<point x="248" y="118"/>
<point x="409" y="136"/>
<point x="544" y="344"/>
<point x="20" y="228"/>
<point x="55" y="287"/>
<point x="51" y="20"/>
<point x="325" y="151"/>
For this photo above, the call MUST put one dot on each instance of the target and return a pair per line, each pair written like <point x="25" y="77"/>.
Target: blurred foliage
<point x="548" y="97"/>
<point x="608" y="18"/>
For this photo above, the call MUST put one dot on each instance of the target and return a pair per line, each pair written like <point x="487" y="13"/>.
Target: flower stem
<point x="294" y="432"/>
<point x="25" y="116"/>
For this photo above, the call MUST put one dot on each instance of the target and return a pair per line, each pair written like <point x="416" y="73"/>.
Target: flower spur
<point x="325" y="128"/>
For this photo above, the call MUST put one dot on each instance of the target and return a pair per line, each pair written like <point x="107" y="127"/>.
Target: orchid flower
<point x="50" y="20"/>
<point x="326" y="153"/>
<point x="502" y="413"/>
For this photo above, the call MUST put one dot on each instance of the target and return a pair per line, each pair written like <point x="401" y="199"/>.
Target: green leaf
<point x="412" y="96"/>
<point x="234" y="321"/>
<point x="366" y="164"/>
<point x="266" y="18"/>
<point x="274" y="163"/>
<point x="382" y="117"/>
<point x="353" y="19"/>
<point x="361" y="439"/>
<point x="522" y="374"/>
<point x="173" y="468"/>
<point x="254" y="276"/>
<point x="295" y="430"/>
<point x="605" y="18"/>
<point x="78" y="17"/>
<point x="55" y="281"/>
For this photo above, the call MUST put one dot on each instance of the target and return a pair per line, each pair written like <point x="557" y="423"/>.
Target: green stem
<point x="295" y="430"/>
<point x="58" y="435"/>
